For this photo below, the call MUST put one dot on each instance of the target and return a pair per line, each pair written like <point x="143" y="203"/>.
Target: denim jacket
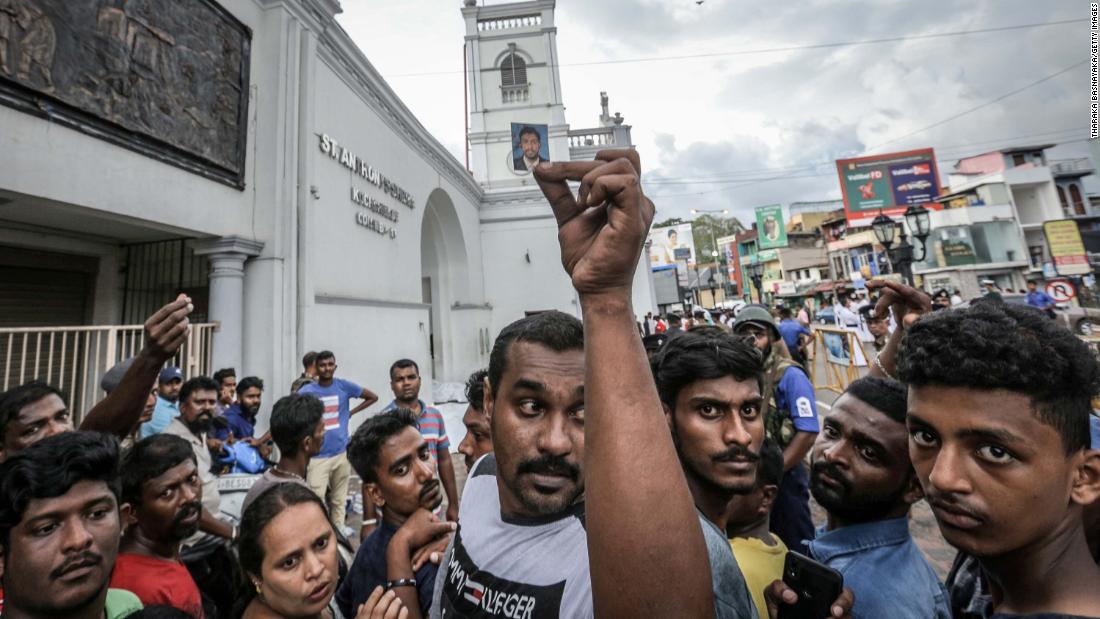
<point x="884" y="568"/>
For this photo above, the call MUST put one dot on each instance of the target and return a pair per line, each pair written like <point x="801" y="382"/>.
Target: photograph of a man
<point x="529" y="147"/>
<point x="771" y="229"/>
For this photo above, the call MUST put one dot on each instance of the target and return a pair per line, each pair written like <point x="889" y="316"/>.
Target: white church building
<point x="246" y="152"/>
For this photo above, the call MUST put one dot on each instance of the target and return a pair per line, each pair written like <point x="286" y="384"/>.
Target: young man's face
<point x="326" y="368"/>
<point x="60" y="556"/>
<point x="406" y="475"/>
<point x="859" y="464"/>
<point x="38" y="420"/>
<point x="405" y="383"/>
<point x="227" y="389"/>
<point x="171" y="504"/>
<point x="318" y="439"/>
<point x="536" y="417"/>
<point x="718" y="430"/>
<point x="530" y="144"/>
<point x="996" y="477"/>
<point x="197" y="410"/>
<point x="170" y="390"/>
<point x="251" y="399"/>
<point x="478" y="440"/>
<point x="1031" y="287"/>
<point x="748" y="509"/>
<point x="878" y="327"/>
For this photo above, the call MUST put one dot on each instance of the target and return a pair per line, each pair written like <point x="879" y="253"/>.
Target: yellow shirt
<point x="761" y="564"/>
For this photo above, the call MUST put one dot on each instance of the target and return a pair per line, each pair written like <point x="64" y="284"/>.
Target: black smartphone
<point x="816" y="584"/>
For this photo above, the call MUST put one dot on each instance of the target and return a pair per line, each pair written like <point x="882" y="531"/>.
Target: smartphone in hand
<point x="816" y="584"/>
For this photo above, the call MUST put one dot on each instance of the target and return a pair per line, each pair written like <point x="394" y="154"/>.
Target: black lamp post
<point x="901" y="257"/>
<point x="756" y="274"/>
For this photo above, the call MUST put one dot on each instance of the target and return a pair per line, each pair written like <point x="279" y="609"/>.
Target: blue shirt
<point x="163" y="415"/>
<point x="1040" y="299"/>
<point x="369" y="571"/>
<point x="239" y="425"/>
<point x="795" y="395"/>
<point x="884" y="568"/>
<point x="790" y="329"/>
<point x="335" y="398"/>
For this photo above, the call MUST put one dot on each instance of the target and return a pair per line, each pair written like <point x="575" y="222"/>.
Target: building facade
<point x="282" y="184"/>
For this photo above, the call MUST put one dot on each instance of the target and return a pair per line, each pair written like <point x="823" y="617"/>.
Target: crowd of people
<point x="605" y="478"/>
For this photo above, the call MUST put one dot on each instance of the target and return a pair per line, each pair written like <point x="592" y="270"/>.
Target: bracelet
<point x="234" y="534"/>
<point x="400" y="582"/>
<point x="878" y="364"/>
<point x="370" y="522"/>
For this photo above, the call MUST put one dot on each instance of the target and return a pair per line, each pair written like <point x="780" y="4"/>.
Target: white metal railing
<point x="508" y="23"/>
<point x="74" y="359"/>
<point x="1067" y="166"/>
<point x="592" y="137"/>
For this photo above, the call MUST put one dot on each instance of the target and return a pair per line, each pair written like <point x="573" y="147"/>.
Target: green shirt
<point x="120" y="603"/>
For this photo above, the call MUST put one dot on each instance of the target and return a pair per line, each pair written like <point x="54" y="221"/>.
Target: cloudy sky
<point x="746" y="120"/>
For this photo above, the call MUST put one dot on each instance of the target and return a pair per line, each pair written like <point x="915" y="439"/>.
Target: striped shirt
<point x="431" y="425"/>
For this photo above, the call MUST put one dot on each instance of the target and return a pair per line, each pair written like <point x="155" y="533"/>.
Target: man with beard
<point x="861" y="475"/>
<point x="405" y="383"/>
<point x="709" y="385"/>
<point x="530" y="145"/>
<point x="197" y="398"/>
<point x="240" y="416"/>
<point x="569" y="409"/>
<point x="227" y="389"/>
<point x="398" y="471"/>
<point x="478" y="440"/>
<point x="161" y="506"/>
<point x="59" y="528"/>
<point x="790" y="419"/>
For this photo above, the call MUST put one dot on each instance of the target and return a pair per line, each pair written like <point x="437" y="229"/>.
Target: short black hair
<point x="198" y="383"/>
<point x="324" y="354"/>
<point x="475" y="389"/>
<point x="886" y="395"/>
<point x="249" y="382"/>
<point x="769" y="470"/>
<point x="401" y="364"/>
<point x="223" y="374"/>
<point x="674" y="319"/>
<point x="784" y="312"/>
<point x="991" y="346"/>
<point x="149" y="458"/>
<point x="366" y="443"/>
<point x="50" y="468"/>
<point x="293" y="418"/>
<point x="555" y="330"/>
<point x="1031" y="281"/>
<point x="309" y="359"/>
<point x="701" y="354"/>
<point x="17" y="398"/>
<point x="529" y="130"/>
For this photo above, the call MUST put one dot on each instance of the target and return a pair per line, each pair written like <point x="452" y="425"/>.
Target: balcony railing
<point x="519" y="93"/>
<point x="509" y="23"/>
<point x="74" y="359"/>
<point x="1066" y="167"/>
<point x="587" y="138"/>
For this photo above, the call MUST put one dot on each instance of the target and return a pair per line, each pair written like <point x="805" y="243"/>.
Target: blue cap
<point x="170" y="374"/>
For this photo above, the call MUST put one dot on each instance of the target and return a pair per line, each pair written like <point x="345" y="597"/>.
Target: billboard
<point x="671" y="245"/>
<point x="1066" y="247"/>
<point x="888" y="183"/>
<point x="771" y="231"/>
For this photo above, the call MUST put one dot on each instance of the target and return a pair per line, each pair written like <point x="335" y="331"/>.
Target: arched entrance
<point x="444" y="277"/>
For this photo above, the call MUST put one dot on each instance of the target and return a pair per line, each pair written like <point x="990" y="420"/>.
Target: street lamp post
<point x="901" y="257"/>
<point x="756" y="274"/>
<point x="713" y="237"/>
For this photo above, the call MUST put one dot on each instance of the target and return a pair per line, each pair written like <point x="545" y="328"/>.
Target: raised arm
<point x="165" y="332"/>
<point x="908" y="305"/>
<point x="644" y="562"/>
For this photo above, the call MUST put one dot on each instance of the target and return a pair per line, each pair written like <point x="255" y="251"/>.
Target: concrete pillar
<point x="227" y="256"/>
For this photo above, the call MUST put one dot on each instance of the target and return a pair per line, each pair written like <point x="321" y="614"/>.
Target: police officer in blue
<point x="790" y="419"/>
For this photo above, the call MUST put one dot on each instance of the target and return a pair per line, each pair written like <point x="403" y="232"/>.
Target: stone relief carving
<point x="160" y="73"/>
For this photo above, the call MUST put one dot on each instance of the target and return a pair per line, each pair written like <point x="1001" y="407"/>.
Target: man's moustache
<point x="188" y="510"/>
<point x="550" y="465"/>
<point x="833" y="471"/>
<point x="736" y="453"/>
<point x="76" y="561"/>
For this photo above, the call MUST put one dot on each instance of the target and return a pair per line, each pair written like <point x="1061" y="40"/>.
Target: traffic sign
<point x="1061" y="290"/>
